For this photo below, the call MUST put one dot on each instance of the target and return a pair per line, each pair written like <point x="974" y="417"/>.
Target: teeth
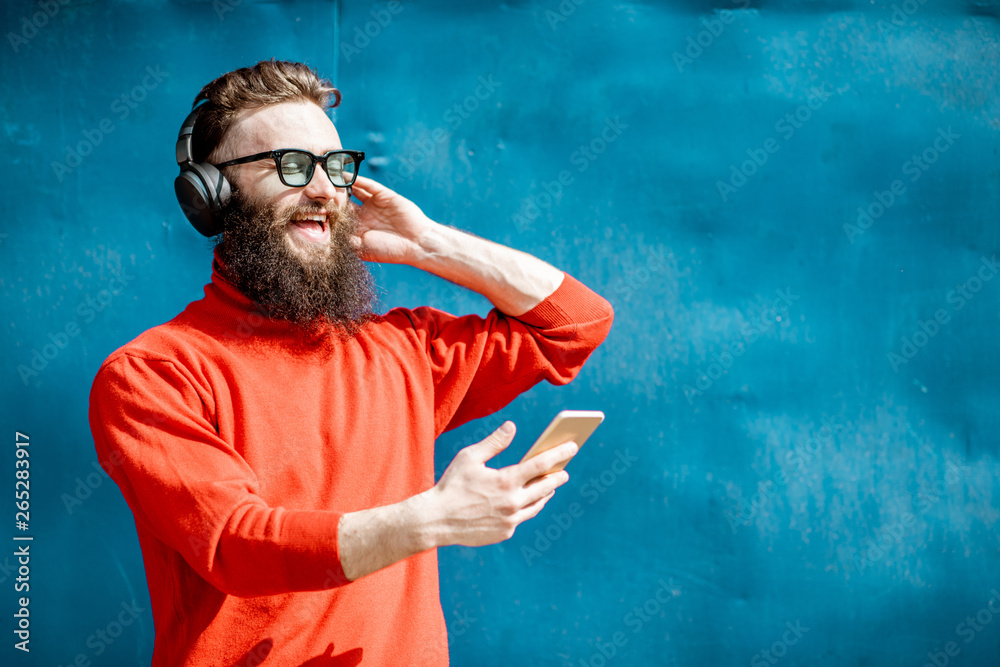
<point x="318" y="218"/>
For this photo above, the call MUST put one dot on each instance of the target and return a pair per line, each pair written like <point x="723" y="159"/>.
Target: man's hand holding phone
<point x="474" y="505"/>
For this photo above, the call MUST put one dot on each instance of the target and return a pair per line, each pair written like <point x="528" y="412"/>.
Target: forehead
<point x="299" y="124"/>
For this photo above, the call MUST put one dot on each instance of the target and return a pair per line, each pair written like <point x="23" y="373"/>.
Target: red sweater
<point x="238" y="445"/>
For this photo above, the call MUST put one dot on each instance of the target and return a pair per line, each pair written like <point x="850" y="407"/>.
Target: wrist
<point x="433" y="245"/>
<point x="425" y="518"/>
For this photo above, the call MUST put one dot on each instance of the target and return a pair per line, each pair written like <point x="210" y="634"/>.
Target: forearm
<point x="514" y="281"/>
<point x="372" y="539"/>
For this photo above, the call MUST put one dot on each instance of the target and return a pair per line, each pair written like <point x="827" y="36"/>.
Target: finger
<point x="360" y="192"/>
<point x="543" y="486"/>
<point x="553" y="479"/>
<point x="360" y="184"/>
<point x="544" y="462"/>
<point x="369" y="185"/>
<point x="494" y="443"/>
<point x="532" y="510"/>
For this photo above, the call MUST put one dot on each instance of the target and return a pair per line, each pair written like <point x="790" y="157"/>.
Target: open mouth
<point x="312" y="227"/>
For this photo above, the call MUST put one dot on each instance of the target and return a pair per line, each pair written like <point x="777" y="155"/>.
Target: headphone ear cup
<point x="202" y="191"/>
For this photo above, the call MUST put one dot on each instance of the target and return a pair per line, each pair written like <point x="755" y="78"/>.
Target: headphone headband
<point x="184" y="150"/>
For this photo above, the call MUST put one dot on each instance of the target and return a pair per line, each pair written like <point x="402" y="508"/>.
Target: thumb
<point x="494" y="443"/>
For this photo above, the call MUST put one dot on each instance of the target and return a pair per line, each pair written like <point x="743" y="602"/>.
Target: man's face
<point x="286" y="125"/>
<point x="288" y="249"/>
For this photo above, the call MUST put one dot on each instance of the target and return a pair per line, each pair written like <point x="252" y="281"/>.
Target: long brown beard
<point x="311" y="287"/>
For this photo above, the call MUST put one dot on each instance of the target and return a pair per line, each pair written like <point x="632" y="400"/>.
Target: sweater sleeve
<point x="155" y="436"/>
<point x="479" y="365"/>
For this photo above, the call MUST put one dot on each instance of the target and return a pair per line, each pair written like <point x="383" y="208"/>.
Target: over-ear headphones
<point x="201" y="189"/>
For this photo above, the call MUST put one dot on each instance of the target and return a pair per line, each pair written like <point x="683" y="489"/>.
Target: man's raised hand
<point x="391" y="228"/>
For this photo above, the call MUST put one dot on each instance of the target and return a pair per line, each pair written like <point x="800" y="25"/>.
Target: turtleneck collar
<point x="231" y="309"/>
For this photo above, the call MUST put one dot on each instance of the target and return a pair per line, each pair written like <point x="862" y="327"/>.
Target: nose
<point x="322" y="189"/>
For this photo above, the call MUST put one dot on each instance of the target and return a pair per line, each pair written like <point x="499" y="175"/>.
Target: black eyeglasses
<point x="295" y="166"/>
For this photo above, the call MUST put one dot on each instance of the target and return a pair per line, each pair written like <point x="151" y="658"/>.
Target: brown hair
<point x="268" y="82"/>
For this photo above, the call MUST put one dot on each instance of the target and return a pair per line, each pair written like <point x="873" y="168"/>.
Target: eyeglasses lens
<point x="341" y="168"/>
<point x="296" y="168"/>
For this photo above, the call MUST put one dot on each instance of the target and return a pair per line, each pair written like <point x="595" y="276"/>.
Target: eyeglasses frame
<point x="358" y="156"/>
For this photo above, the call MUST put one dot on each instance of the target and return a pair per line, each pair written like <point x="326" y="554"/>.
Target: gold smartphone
<point x="568" y="425"/>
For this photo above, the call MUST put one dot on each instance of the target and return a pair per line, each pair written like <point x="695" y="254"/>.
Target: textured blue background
<point x="787" y="471"/>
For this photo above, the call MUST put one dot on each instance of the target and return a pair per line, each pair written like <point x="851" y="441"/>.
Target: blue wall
<point x="799" y="464"/>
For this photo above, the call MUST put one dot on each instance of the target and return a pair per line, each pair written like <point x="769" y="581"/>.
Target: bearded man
<point x="275" y="440"/>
